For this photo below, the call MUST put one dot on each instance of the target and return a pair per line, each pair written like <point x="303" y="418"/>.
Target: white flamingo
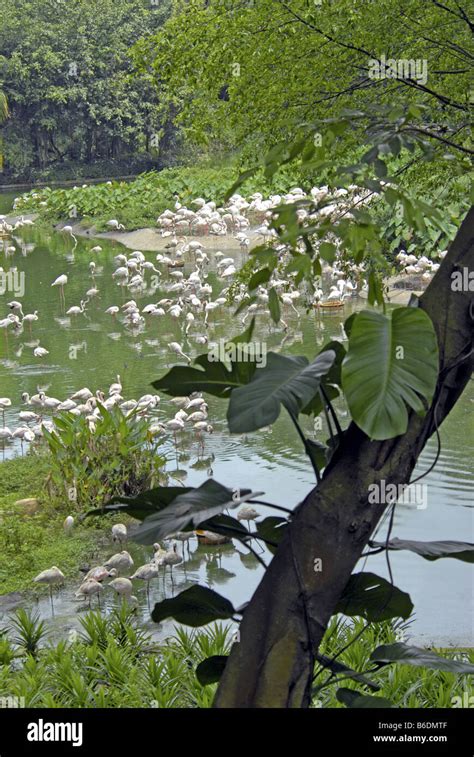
<point x="61" y="282"/>
<point x="52" y="577"/>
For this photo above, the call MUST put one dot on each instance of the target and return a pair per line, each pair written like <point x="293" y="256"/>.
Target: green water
<point x="89" y="350"/>
<point x="6" y="202"/>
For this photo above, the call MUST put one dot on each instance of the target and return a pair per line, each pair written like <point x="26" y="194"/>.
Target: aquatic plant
<point x="139" y="202"/>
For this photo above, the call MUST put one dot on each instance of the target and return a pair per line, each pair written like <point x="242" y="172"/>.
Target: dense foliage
<point x="111" y="662"/>
<point x="138" y="203"/>
<point x="272" y="65"/>
<point x="31" y="525"/>
<point x="65" y="69"/>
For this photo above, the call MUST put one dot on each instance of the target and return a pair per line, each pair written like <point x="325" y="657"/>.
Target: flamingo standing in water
<point x="68" y="230"/>
<point x="4" y="403"/>
<point x="61" y="282"/>
<point x="52" y="576"/>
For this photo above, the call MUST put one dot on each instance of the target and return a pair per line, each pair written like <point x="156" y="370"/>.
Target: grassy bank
<point x="31" y="533"/>
<point x="117" y="457"/>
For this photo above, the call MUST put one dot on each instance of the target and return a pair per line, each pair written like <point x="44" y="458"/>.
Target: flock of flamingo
<point x="181" y="274"/>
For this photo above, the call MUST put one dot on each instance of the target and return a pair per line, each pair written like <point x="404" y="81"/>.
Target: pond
<point x="92" y="348"/>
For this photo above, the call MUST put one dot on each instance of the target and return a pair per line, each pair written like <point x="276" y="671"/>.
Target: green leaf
<point x="432" y="550"/>
<point x="418" y="657"/>
<point x="380" y="168"/>
<point x="238" y="183"/>
<point x="328" y="252"/>
<point x="194" y="607"/>
<point x="210" y="670"/>
<point x="245" y="303"/>
<point x="274" y="305"/>
<point x="375" y="293"/>
<point x="259" y="277"/>
<point x="285" y="380"/>
<point x="330" y="381"/>
<point x="337" y="667"/>
<point x="348" y="323"/>
<point x="351" y="698"/>
<point x="302" y="264"/>
<point x="246" y="336"/>
<point x="317" y="452"/>
<point x="188" y="510"/>
<point x="374" y="599"/>
<point x="143" y="505"/>
<point x="215" y="378"/>
<point x="392" y="363"/>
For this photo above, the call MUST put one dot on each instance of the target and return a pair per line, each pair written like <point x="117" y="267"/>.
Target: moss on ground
<point x="32" y="538"/>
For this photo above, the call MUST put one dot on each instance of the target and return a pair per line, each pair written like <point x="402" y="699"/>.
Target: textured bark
<point x="284" y="623"/>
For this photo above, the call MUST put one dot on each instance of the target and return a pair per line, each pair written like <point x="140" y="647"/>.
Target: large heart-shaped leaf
<point x="145" y="504"/>
<point x="226" y="526"/>
<point x="285" y="380"/>
<point x="392" y="364"/>
<point x="213" y="377"/>
<point x="423" y="658"/>
<point x="210" y="670"/>
<point x="351" y="698"/>
<point x="330" y="381"/>
<point x="373" y="598"/>
<point x="341" y="668"/>
<point x="194" y="607"/>
<point x="187" y="511"/>
<point x="432" y="550"/>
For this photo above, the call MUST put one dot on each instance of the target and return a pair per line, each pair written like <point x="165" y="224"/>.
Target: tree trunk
<point x="283" y="625"/>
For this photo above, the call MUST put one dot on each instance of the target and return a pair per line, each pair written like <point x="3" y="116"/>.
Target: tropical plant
<point x="111" y="663"/>
<point x="118" y="455"/>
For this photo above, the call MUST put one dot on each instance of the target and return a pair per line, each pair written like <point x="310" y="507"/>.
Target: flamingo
<point x="40" y="352"/>
<point x="122" y="561"/>
<point x="99" y="573"/>
<point x="68" y="230"/>
<point x="170" y="558"/>
<point x="68" y="524"/>
<point x="248" y="514"/>
<point x="61" y="282"/>
<point x="52" y="576"/>
<point x="4" y="403"/>
<point x="146" y="573"/>
<point x="29" y="318"/>
<point x="16" y="307"/>
<point x="89" y="588"/>
<point x="115" y="225"/>
<point x="178" y="350"/>
<point x="119" y="533"/>
<point x="77" y="309"/>
<point x="123" y="587"/>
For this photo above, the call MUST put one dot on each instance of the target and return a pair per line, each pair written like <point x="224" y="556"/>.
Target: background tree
<point x="281" y="64"/>
<point x="65" y="68"/>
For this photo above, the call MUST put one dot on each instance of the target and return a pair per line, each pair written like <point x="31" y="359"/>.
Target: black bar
<point x="182" y="732"/>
